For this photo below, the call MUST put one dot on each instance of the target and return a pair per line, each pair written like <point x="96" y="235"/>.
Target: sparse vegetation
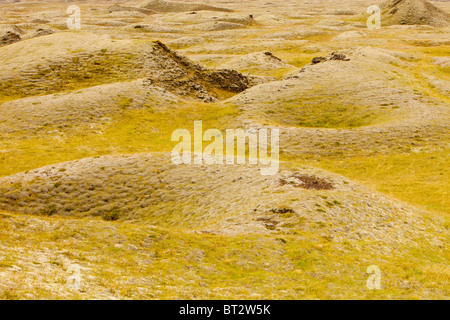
<point x="108" y="98"/>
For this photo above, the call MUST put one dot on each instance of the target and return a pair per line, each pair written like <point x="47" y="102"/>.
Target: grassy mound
<point x="325" y="114"/>
<point x="169" y="6"/>
<point x="175" y="264"/>
<point x="232" y="199"/>
<point x="413" y="12"/>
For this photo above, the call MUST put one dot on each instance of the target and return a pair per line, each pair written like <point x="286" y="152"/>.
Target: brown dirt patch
<point x="308" y="182"/>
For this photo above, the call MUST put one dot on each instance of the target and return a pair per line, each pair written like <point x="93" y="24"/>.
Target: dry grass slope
<point x="85" y="176"/>
<point x="170" y="6"/>
<point x="413" y="12"/>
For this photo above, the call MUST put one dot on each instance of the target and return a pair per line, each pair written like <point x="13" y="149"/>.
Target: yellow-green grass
<point x="75" y="73"/>
<point x="419" y="179"/>
<point x="133" y="261"/>
<point x="130" y="131"/>
<point x="299" y="60"/>
<point x="172" y="263"/>
<point x="423" y="67"/>
<point x="329" y="113"/>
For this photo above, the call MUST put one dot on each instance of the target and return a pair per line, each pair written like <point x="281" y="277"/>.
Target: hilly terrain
<point x="86" y="177"/>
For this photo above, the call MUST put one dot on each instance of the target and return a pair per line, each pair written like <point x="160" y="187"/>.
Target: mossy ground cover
<point x="75" y="73"/>
<point x="324" y="114"/>
<point x="130" y="131"/>
<point x="420" y="179"/>
<point x="133" y="262"/>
